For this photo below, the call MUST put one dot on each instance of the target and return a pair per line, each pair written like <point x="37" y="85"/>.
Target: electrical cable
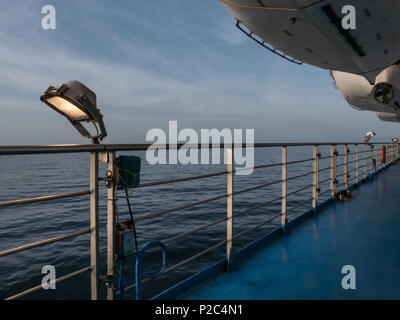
<point x="132" y="220"/>
<point x="121" y="281"/>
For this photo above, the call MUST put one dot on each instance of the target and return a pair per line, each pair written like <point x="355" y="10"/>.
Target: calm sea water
<point x="34" y="175"/>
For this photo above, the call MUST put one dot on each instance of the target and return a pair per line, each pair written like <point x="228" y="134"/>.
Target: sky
<point x="153" y="61"/>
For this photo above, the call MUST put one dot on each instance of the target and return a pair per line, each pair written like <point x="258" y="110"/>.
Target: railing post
<point x="94" y="224"/>
<point x="346" y="166"/>
<point x="333" y="180"/>
<point x="316" y="156"/>
<point x="229" y="208"/>
<point x="110" y="224"/>
<point x="357" y="164"/>
<point x="371" y="156"/>
<point x="284" y="189"/>
<point x="391" y="153"/>
<point x="365" y="161"/>
<point x="378" y="162"/>
<point x="377" y="156"/>
<point x="387" y="154"/>
<point x="392" y="148"/>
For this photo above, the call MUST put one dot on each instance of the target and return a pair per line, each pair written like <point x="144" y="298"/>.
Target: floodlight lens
<point x="66" y="107"/>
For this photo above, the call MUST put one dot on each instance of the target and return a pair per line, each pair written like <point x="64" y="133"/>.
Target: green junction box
<point x="129" y="171"/>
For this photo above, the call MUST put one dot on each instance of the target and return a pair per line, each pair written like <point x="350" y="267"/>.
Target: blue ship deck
<point x="307" y="262"/>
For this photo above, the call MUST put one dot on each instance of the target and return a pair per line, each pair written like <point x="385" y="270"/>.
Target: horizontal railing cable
<point x="325" y="180"/>
<point x="299" y="161"/>
<point x="325" y="192"/>
<point x="157" y="183"/>
<point x="70" y="275"/>
<point x="299" y="190"/>
<point x="43" y="242"/>
<point x="324" y="169"/>
<point x="44" y="198"/>
<point x="256" y="226"/>
<point x="259" y="167"/>
<point x="205" y="226"/>
<point x="257" y="187"/>
<point x="299" y="176"/>
<point x="260" y="205"/>
<point x="299" y="205"/>
<point x="189" y="205"/>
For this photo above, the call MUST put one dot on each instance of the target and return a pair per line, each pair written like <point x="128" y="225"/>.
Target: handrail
<point x="299" y="176"/>
<point x="325" y="180"/>
<point x="187" y="233"/>
<point x="207" y="225"/>
<point x="260" y="205"/>
<point x="157" y="183"/>
<point x="299" y="205"/>
<point x="44" y="198"/>
<point x="259" y="167"/>
<point x="299" y="190"/>
<point x="77" y="148"/>
<point x="189" y="205"/>
<point x="139" y="269"/>
<point x="183" y="262"/>
<point x="257" y="187"/>
<point x="371" y="155"/>
<point x="42" y="242"/>
<point x="256" y="226"/>
<point x="325" y="192"/>
<point x="67" y="276"/>
<point x="299" y="161"/>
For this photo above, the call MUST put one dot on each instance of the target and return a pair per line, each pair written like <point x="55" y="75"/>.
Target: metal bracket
<point x="103" y="157"/>
<point x="109" y="179"/>
<point x="107" y="280"/>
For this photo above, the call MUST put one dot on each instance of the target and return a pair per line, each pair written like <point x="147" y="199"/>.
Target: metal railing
<point x="369" y="157"/>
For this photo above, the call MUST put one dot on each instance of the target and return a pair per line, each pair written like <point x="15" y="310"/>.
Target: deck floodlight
<point x="77" y="103"/>
<point x="395" y="139"/>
